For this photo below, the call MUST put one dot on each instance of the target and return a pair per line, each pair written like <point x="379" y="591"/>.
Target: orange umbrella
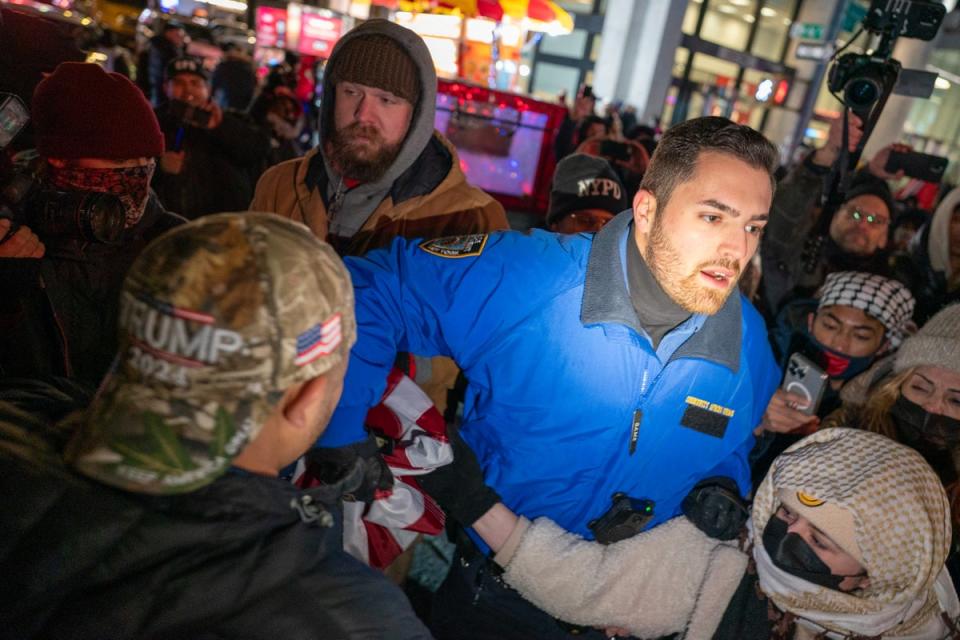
<point x="536" y="15"/>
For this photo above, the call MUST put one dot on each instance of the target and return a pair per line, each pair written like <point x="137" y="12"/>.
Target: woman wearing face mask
<point x="917" y="401"/>
<point x="847" y="539"/>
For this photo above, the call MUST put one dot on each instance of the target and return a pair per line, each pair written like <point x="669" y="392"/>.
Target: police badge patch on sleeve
<point x="456" y="246"/>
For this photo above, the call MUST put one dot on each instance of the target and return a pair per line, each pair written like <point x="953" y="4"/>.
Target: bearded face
<point x="699" y="241"/>
<point x="686" y="286"/>
<point x="370" y="126"/>
<point x="360" y="152"/>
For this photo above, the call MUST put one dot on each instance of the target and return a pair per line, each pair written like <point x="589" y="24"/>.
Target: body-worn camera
<point x="625" y="519"/>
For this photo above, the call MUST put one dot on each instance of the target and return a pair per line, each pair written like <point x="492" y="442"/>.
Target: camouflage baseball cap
<point x="218" y="318"/>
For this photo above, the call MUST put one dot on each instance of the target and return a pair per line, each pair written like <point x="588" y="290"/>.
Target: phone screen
<point x="13" y="118"/>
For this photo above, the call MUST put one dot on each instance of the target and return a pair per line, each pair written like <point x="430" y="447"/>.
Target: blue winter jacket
<point x="567" y="401"/>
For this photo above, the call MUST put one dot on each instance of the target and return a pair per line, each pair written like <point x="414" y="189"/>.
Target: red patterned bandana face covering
<point x="130" y="184"/>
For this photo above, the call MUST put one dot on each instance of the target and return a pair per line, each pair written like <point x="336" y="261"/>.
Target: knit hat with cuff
<point x="75" y="112"/>
<point x="378" y="61"/>
<point x="936" y="344"/>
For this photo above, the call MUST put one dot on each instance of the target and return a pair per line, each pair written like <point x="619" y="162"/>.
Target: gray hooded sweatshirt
<point x="349" y="210"/>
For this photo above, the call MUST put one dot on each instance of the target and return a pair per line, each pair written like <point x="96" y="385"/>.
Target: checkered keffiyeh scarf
<point x="887" y="300"/>
<point x="902" y="521"/>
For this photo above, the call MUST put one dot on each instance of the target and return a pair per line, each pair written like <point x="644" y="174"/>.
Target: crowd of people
<point x="695" y="404"/>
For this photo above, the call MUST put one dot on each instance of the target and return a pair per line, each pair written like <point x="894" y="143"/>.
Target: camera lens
<point x="101" y="217"/>
<point x="862" y="92"/>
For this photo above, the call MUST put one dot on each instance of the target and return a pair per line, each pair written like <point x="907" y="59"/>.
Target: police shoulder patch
<point x="456" y="246"/>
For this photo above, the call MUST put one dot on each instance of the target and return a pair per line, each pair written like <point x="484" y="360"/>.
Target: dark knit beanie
<point x="377" y="61"/>
<point x="585" y="182"/>
<point x="81" y="111"/>
<point x="867" y="184"/>
<point x="185" y="64"/>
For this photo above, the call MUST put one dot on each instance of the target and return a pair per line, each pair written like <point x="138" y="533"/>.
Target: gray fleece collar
<point x="361" y="201"/>
<point x="606" y="300"/>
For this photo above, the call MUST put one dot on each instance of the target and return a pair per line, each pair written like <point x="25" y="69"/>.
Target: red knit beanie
<point x="81" y="111"/>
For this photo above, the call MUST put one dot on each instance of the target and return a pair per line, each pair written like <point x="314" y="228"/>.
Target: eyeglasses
<point x="872" y="219"/>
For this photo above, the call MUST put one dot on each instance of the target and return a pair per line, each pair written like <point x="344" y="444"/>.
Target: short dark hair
<point x="675" y="159"/>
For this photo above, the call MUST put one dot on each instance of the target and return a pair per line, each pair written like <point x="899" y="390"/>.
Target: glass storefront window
<point x="713" y="71"/>
<point x="680" y="61"/>
<point x="595" y="48"/>
<point x="773" y="29"/>
<point x="728" y="23"/>
<point x="690" y="17"/>
<point x="551" y="79"/>
<point x="717" y="79"/>
<point x="570" y="45"/>
<point x="576" y="6"/>
<point x="668" y="106"/>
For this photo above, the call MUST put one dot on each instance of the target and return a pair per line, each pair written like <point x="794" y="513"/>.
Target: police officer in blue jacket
<point x="614" y="363"/>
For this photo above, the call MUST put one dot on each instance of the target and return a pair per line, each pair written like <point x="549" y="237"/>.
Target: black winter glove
<point x="459" y="487"/>
<point x="330" y="465"/>
<point x="714" y="505"/>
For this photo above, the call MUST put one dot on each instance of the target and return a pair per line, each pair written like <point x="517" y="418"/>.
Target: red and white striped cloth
<point x="377" y="533"/>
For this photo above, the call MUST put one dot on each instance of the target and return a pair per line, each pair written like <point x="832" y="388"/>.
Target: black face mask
<point x="931" y="435"/>
<point x="792" y="554"/>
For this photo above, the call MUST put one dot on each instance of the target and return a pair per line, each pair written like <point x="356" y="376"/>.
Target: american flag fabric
<point x="319" y="340"/>
<point x="377" y="533"/>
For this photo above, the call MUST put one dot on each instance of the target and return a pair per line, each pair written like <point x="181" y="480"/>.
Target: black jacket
<point x="929" y="287"/>
<point x="234" y="83"/>
<point x="152" y="65"/>
<point x="245" y="557"/>
<point x="221" y="165"/>
<point x="58" y="315"/>
<point x="795" y="257"/>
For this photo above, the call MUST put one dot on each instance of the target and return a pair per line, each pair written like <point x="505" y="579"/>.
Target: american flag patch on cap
<point x="318" y="340"/>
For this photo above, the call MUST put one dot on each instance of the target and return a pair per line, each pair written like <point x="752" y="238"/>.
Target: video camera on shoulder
<point x="189" y="114"/>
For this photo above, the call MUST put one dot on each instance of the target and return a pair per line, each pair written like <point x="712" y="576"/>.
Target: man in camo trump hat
<point x="229" y="326"/>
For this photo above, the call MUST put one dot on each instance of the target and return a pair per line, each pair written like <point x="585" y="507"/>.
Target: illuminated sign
<point x="271" y="27"/>
<point x="319" y="31"/>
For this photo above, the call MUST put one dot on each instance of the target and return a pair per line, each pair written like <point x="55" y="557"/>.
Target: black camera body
<point x="907" y="19"/>
<point x="82" y="215"/>
<point x="862" y="79"/>
<point x="866" y="80"/>
<point x="625" y="519"/>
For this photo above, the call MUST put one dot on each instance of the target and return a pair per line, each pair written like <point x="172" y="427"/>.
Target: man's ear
<point x="644" y="210"/>
<point x="301" y="405"/>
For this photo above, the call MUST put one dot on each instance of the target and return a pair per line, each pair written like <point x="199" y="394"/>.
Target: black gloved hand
<point x="459" y="487"/>
<point x="331" y="465"/>
<point x="714" y="505"/>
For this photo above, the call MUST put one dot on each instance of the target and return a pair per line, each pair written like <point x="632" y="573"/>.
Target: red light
<point x="781" y="92"/>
